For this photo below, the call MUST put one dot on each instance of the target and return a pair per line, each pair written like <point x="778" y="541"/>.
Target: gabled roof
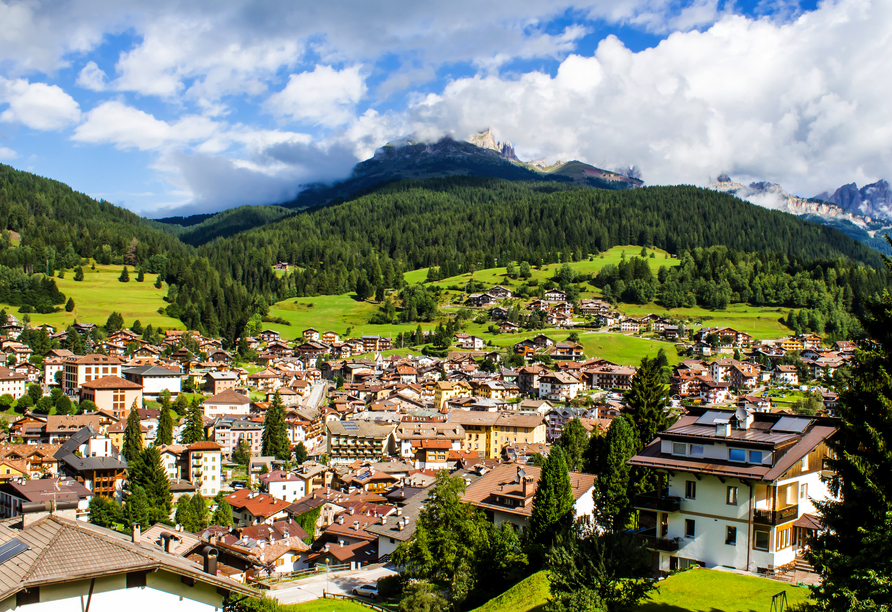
<point x="111" y="382"/>
<point x="228" y="397"/>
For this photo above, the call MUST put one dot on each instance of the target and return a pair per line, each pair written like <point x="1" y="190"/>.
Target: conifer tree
<point x="300" y="453"/>
<point x="193" y="431"/>
<point x="79" y="274"/>
<point x="165" y="426"/>
<point x="69" y="305"/>
<point x="200" y="513"/>
<point x="140" y="277"/>
<point x="151" y="476"/>
<point x="646" y="401"/>
<point x="137" y="508"/>
<point x="132" y="446"/>
<point x="573" y="441"/>
<point x="185" y="514"/>
<point x="613" y="507"/>
<point x="223" y="512"/>
<point x="125" y="276"/>
<point x="553" y="501"/>
<point x="274" y="442"/>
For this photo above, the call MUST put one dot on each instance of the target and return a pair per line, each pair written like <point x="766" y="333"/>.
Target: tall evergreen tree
<point x="79" y="274"/>
<point x="300" y="453"/>
<point x="152" y="477"/>
<point x="573" y="441"/>
<point x="185" y="515"/>
<point x="132" y="446"/>
<point x="613" y="507"/>
<point x="553" y="501"/>
<point x="165" y="426"/>
<point x="193" y="431"/>
<point x="125" y="276"/>
<point x="854" y="553"/>
<point x="646" y="401"/>
<point x="223" y="512"/>
<point x="200" y="513"/>
<point x="137" y="508"/>
<point x="274" y="442"/>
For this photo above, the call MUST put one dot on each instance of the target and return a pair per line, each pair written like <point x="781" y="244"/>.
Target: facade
<point x="558" y="386"/>
<point x="13" y="383"/>
<point x="154" y="380"/>
<point x="227" y="403"/>
<point x="91" y="459"/>
<point x="428" y="444"/>
<point x="88" y="368"/>
<point x="352" y="440"/>
<point x="282" y="485"/>
<point x="205" y="467"/>
<point x="112" y="394"/>
<point x="488" y="432"/>
<point x="739" y="489"/>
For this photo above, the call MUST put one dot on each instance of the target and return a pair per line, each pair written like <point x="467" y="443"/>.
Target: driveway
<point x="343" y="583"/>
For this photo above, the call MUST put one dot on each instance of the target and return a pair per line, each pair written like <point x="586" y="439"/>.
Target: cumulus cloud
<point x="324" y="96"/>
<point x="127" y="127"/>
<point x="92" y="77"/>
<point x="37" y="105"/>
<point x="7" y="154"/>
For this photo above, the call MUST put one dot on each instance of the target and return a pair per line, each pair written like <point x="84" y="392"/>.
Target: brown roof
<point x="94" y="359"/>
<point x="64" y="423"/>
<point x="202" y="446"/>
<point x="111" y="382"/>
<point x="11" y="375"/>
<point x="503" y="480"/>
<point x="258" y="504"/>
<point x="228" y="397"/>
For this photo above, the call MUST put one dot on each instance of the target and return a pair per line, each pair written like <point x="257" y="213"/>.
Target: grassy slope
<point x="100" y="293"/>
<point x="698" y="590"/>
<point x="327" y="605"/>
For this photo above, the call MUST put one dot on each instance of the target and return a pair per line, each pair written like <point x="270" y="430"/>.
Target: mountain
<point x="819" y="209"/>
<point x="874" y="200"/>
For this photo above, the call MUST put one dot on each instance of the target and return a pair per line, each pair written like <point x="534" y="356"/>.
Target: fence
<point x="320" y="568"/>
<point x="358" y="600"/>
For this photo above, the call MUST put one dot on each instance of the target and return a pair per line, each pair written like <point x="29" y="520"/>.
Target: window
<point x="761" y="540"/>
<point x="689" y="528"/>
<point x="805" y="463"/>
<point x="731" y="497"/>
<point x="736" y="454"/>
<point x="696" y="450"/>
<point x="755" y="456"/>
<point x="690" y="489"/>
<point x="803" y="491"/>
<point x="731" y="535"/>
<point x="678" y="448"/>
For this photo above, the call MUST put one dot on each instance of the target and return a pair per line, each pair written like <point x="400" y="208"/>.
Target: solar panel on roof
<point x="350" y="426"/>
<point x="791" y="425"/>
<point x="11" y="549"/>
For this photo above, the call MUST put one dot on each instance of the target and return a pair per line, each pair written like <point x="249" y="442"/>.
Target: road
<point x="309" y="589"/>
<point x="316" y="395"/>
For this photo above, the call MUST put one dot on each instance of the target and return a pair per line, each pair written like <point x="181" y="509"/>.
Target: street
<point x="344" y="582"/>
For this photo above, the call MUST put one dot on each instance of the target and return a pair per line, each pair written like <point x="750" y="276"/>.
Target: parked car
<point x="367" y="590"/>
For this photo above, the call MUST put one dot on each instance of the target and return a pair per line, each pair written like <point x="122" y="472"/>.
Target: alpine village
<point x="493" y="388"/>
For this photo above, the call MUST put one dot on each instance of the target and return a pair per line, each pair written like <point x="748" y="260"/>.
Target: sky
<point x="171" y="107"/>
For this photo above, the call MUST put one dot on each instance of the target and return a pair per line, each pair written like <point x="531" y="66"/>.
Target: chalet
<point x="93" y="461"/>
<point x="498" y="313"/>
<point x="310" y="334"/>
<point x="499" y="292"/>
<point x="219" y="356"/>
<point x="479" y="299"/>
<point x="567" y="350"/>
<point x="269" y="335"/>
<point x="507" y="327"/>
<point x="555" y="295"/>
<point x="558" y="386"/>
<point x="786" y="375"/>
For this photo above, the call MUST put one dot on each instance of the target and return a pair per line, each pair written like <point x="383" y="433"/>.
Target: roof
<point x="94" y="359"/>
<point x="111" y="382"/>
<point x="61" y="550"/>
<point x="63" y="423"/>
<point x="228" y="397"/>
<point x="258" y="504"/>
<point x="204" y="446"/>
<point x="150" y="370"/>
<point x="47" y="489"/>
<point x="360" y="429"/>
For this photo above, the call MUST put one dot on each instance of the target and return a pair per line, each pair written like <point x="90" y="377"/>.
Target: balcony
<point x="659" y="503"/>
<point x="776" y="517"/>
<point x="648" y="537"/>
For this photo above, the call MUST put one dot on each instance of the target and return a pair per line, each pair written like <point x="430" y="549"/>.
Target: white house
<point x="227" y="402"/>
<point x="283" y="485"/>
<point x="739" y="489"/>
<point x="154" y="380"/>
<point x="558" y="386"/>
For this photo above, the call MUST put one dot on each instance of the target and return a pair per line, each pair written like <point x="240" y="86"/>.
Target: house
<point x="567" y="350"/>
<point x="555" y="295"/>
<point x="283" y="485"/>
<point x="269" y="335"/>
<point x="90" y="458"/>
<point x="505" y="494"/>
<point x="447" y="390"/>
<point x="474" y="343"/>
<point x="154" y="380"/>
<point x="59" y="428"/>
<point x="251" y="508"/>
<point x="785" y="375"/>
<point x="310" y="334"/>
<point x="54" y="491"/>
<point x="227" y="402"/>
<point x="488" y="432"/>
<point x="112" y="394"/>
<point x="479" y="299"/>
<point x="428" y="444"/>
<point x="88" y="368"/>
<point x="55" y="562"/>
<point x="348" y="441"/>
<point x="217" y="382"/>
<point x="12" y="383"/>
<point x="558" y="386"/>
<point x="499" y="292"/>
<point x="739" y="489"/>
<point x="205" y="463"/>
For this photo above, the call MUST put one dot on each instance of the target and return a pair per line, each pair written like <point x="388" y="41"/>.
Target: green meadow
<point x="100" y="293"/>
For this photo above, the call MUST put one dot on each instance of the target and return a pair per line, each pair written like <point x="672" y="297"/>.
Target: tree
<point x="44" y="405"/>
<point x="613" y="507"/>
<point x="199" y="512"/>
<point x="193" y="431"/>
<point x="132" y="446"/>
<point x="137" y="327"/>
<point x="185" y="514"/>
<point x="137" y="508"/>
<point x="242" y="453"/>
<point x="158" y="282"/>
<point x="553" y="501"/>
<point x="86" y="406"/>
<point x="69" y="305"/>
<point x="646" y="401"/>
<point x="64" y="405"/>
<point x="573" y="441"/>
<point x="24" y="403"/>
<point x="223" y="512"/>
<point x="423" y="597"/>
<point x="79" y="274"/>
<point x="165" y="426"/>
<point x="300" y="453"/>
<point x="104" y="511"/>
<point x="125" y="276"/>
<point x="6" y="402"/>
<point x="274" y="442"/>
<point x="140" y="277"/>
<point x="592" y="571"/>
<point x="115" y="322"/>
<point x="35" y="393"/>
<point x="148" y="472"/>
<point x="853" y="553"/>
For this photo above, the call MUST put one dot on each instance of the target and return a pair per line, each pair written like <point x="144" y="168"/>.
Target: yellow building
<point x="791" y="344"/>
<point x="446" y="390"/>
<point x="489" y="432"/>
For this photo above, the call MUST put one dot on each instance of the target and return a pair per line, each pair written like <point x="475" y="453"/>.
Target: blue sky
<point x="175" y="108"/>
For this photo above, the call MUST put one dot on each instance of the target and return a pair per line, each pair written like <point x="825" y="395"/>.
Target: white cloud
<point x="126" y="127"/>
<point x="92" y="77"/>
<point x="7" y="153"/>
<point x="37" y="105"/>
<point x="324" y="96"/>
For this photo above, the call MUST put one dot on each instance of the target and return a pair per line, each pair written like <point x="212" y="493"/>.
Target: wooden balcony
<point x="776" y="517"/>
<point x="658" y="503"/>
<point x="649" y="539"/>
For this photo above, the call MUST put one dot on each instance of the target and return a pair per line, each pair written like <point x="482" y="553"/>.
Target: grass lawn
<point x="528" y="595"/>
<point x="698" y="590"/>
<point x="761" y="323"/>
<point x="618" y="348"/>
<point x="703" y="590"/>
<point x="100" y="293"/>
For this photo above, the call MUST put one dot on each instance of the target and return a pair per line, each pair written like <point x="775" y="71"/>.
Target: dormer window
<point x="755" y="456"/>
<point x="679" y="448"/>
<point x="737" y="454"/>
<point x="696" y="450"/>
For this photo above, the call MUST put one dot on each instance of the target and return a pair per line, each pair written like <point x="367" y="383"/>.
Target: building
<point x="155" y="379"/>
<point x="283" y="485"/>
<point x="488" y="432"/>
<point x="88" y="368"/>
<point x="505" y="494"/>
<point x="558" y="386"/>
<point x="445" y="390"/>
<point x="428" y="444"/>
<point x="205" y="463"/>
<point x="352" y="440"/>
<point x="739" y="489"/>
<point x="13" y="383"/>
<point x="52" y="491"/>
<point x="227" y="402"/>
<point x="217" y="382"/>
<point x="112" y="394"/>
<point x="56" y="563"/>
<point x="251" y="508"/>
<point x="91" y="459"/>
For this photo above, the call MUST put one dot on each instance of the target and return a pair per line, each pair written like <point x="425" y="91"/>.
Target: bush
<point x="390" y="587"/>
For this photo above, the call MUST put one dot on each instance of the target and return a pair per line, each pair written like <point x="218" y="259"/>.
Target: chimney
<point x="722" y="430"/>
<point x="341" y="543"/>
<point x="352" y="510"/>
<point x="356" y="525"/>
<point x="341" y="520"/>
<point x="210" y="560"/>
<point x="137" y="533"/>
<point x="327" y="547"/>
